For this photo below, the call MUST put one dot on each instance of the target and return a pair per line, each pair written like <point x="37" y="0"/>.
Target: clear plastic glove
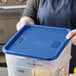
<point x="72" y="35"/>
<point x="23" y="21"/>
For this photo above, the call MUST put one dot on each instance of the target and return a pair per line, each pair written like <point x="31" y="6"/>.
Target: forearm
<point x="31" y="9"/>
<point x="29" y="15"/>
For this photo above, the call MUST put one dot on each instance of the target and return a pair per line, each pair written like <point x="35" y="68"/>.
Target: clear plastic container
<point x="26" y="61"/>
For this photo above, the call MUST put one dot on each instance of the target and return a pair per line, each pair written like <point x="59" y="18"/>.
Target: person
<point x="56" y="13"/>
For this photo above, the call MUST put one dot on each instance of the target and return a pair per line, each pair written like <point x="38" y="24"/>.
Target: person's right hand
<point x="23" y="21"/>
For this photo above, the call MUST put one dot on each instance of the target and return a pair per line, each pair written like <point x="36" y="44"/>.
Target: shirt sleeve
<point x="31" y="9"/>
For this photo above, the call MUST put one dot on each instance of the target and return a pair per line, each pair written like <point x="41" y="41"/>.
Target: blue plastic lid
<point x="40" y="42"/>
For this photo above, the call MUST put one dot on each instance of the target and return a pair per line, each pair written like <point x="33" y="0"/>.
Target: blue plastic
<point x="40" y="42"/>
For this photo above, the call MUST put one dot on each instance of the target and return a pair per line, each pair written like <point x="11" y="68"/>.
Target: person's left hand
<point x="72" y="35"/>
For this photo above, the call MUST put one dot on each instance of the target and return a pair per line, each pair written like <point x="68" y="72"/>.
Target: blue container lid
<point x="36" y="41"/>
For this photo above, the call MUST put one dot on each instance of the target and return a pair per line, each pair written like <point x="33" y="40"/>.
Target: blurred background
<point x="10" y="13"/>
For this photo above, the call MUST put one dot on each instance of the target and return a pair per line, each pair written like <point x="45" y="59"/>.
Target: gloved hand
<point x="72" y="35"/>
<point x="23" y="21"/>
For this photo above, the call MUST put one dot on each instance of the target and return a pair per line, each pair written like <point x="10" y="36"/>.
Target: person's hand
<point x="23" y="21"/>
<point x="72" y="35"/>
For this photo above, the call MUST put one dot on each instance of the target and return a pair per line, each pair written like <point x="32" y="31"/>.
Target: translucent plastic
<point x="23" y="66"/>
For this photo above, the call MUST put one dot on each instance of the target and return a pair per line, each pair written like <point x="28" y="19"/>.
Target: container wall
<point x="20" y="66"/>
<point x="23" y="66"/>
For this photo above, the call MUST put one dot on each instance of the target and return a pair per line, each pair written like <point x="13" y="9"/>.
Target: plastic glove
<point x="72" y="35"/>
<point x="23" y="21"/>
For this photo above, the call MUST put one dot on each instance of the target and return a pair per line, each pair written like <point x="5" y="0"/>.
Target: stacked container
<point x="38" y="51"/>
